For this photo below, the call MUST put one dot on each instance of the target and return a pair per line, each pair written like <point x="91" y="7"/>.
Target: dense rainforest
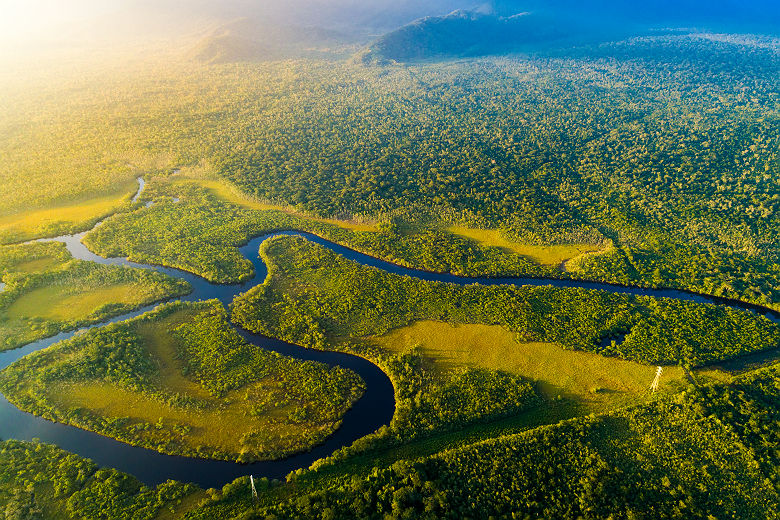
<point x="646" y="162"/>
<point x="663" y="146"/>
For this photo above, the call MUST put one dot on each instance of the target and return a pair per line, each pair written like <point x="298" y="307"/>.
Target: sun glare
<point x="36" y="20"/>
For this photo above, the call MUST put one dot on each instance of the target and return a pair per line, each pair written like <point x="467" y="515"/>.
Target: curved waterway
<point x="372" y="411"/>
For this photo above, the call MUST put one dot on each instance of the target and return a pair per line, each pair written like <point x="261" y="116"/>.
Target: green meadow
<point x="181" y="381"/>
<point x="596" y="382"/>
<point x="47" y="292"/>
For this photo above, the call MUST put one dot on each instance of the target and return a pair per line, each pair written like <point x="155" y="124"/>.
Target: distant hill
<point x="501" y="26"/>
<point x="240" y="30"/>
<point x="296" y="28"/>
<point x="254" y="40"/>
<point x="208" y="29"/>
<point x="224" y="48"/>
<point x="467" y="33"/>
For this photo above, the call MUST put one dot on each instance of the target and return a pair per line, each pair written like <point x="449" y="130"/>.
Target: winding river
<point x="372" y="411"/>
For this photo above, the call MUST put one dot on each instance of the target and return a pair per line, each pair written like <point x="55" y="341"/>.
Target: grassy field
<point x="224" y="191"/>
<point x="64" y="303"/>
<point x="162" y="395"/>
<point x="218" y="422"/>
<point x="544" y="255"/>
<point x="34" y="257"/>
<point x="595" y="381"/>
<point x="62" y="218"/>
<point x="38" y="265"/>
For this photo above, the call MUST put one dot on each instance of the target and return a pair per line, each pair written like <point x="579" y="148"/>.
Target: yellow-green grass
<point x="35" y="257"/>
<point x="219" y="422"/>
<point x="224" y="191"/>
<point x="544" y="255"/>
<point x="219" y="425"/>
<point x="65" y="303"/>
<point x="182" y="507"/>
<point x="596" y="381"/>
<point x="713" y="374"/>
<point x="38" y="222"/>
<point x="159" y="342"/>
<point x="38" y="265"/>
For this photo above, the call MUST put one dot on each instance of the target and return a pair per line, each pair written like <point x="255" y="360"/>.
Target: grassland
<point x="181" y="381"/>
<point x="36" y="266"/>
<point x="552" y="255"/>
<point x="64" y="218"/>
<point x="63" y="303"/>
<point x="47" y="291"/>
<point x="595" y="381"/>
<point x="34" y="257"/>
<point x="218" y="426"/>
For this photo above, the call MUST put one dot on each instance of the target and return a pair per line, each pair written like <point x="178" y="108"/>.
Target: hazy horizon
<point x="30" y="22"/>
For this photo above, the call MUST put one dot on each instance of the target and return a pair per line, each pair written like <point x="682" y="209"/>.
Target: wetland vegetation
<point x="650" y="161"/>
<point x="47" y="292"/>
<point x="312" y="295"/>
<point x="181" y="381"/>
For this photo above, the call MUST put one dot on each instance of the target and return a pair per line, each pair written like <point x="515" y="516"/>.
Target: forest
<point x="647" y="162"/>
<point x="598" y="146"/>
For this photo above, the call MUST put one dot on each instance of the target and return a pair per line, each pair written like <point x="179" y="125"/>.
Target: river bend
<point x="372" y="411"/>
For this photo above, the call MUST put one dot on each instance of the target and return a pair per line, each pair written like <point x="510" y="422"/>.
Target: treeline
<point x="40" y="481"/>
<point x="687" y="266"/>
<point x="314" y="294"/>
<point x="287" y="405"/>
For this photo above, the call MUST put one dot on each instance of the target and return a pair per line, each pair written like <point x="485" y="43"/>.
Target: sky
<point x="32" y="19"/>
<point x="58" y="20"/>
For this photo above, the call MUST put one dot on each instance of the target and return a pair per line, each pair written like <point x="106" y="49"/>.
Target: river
<point x="372" y="411"/>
